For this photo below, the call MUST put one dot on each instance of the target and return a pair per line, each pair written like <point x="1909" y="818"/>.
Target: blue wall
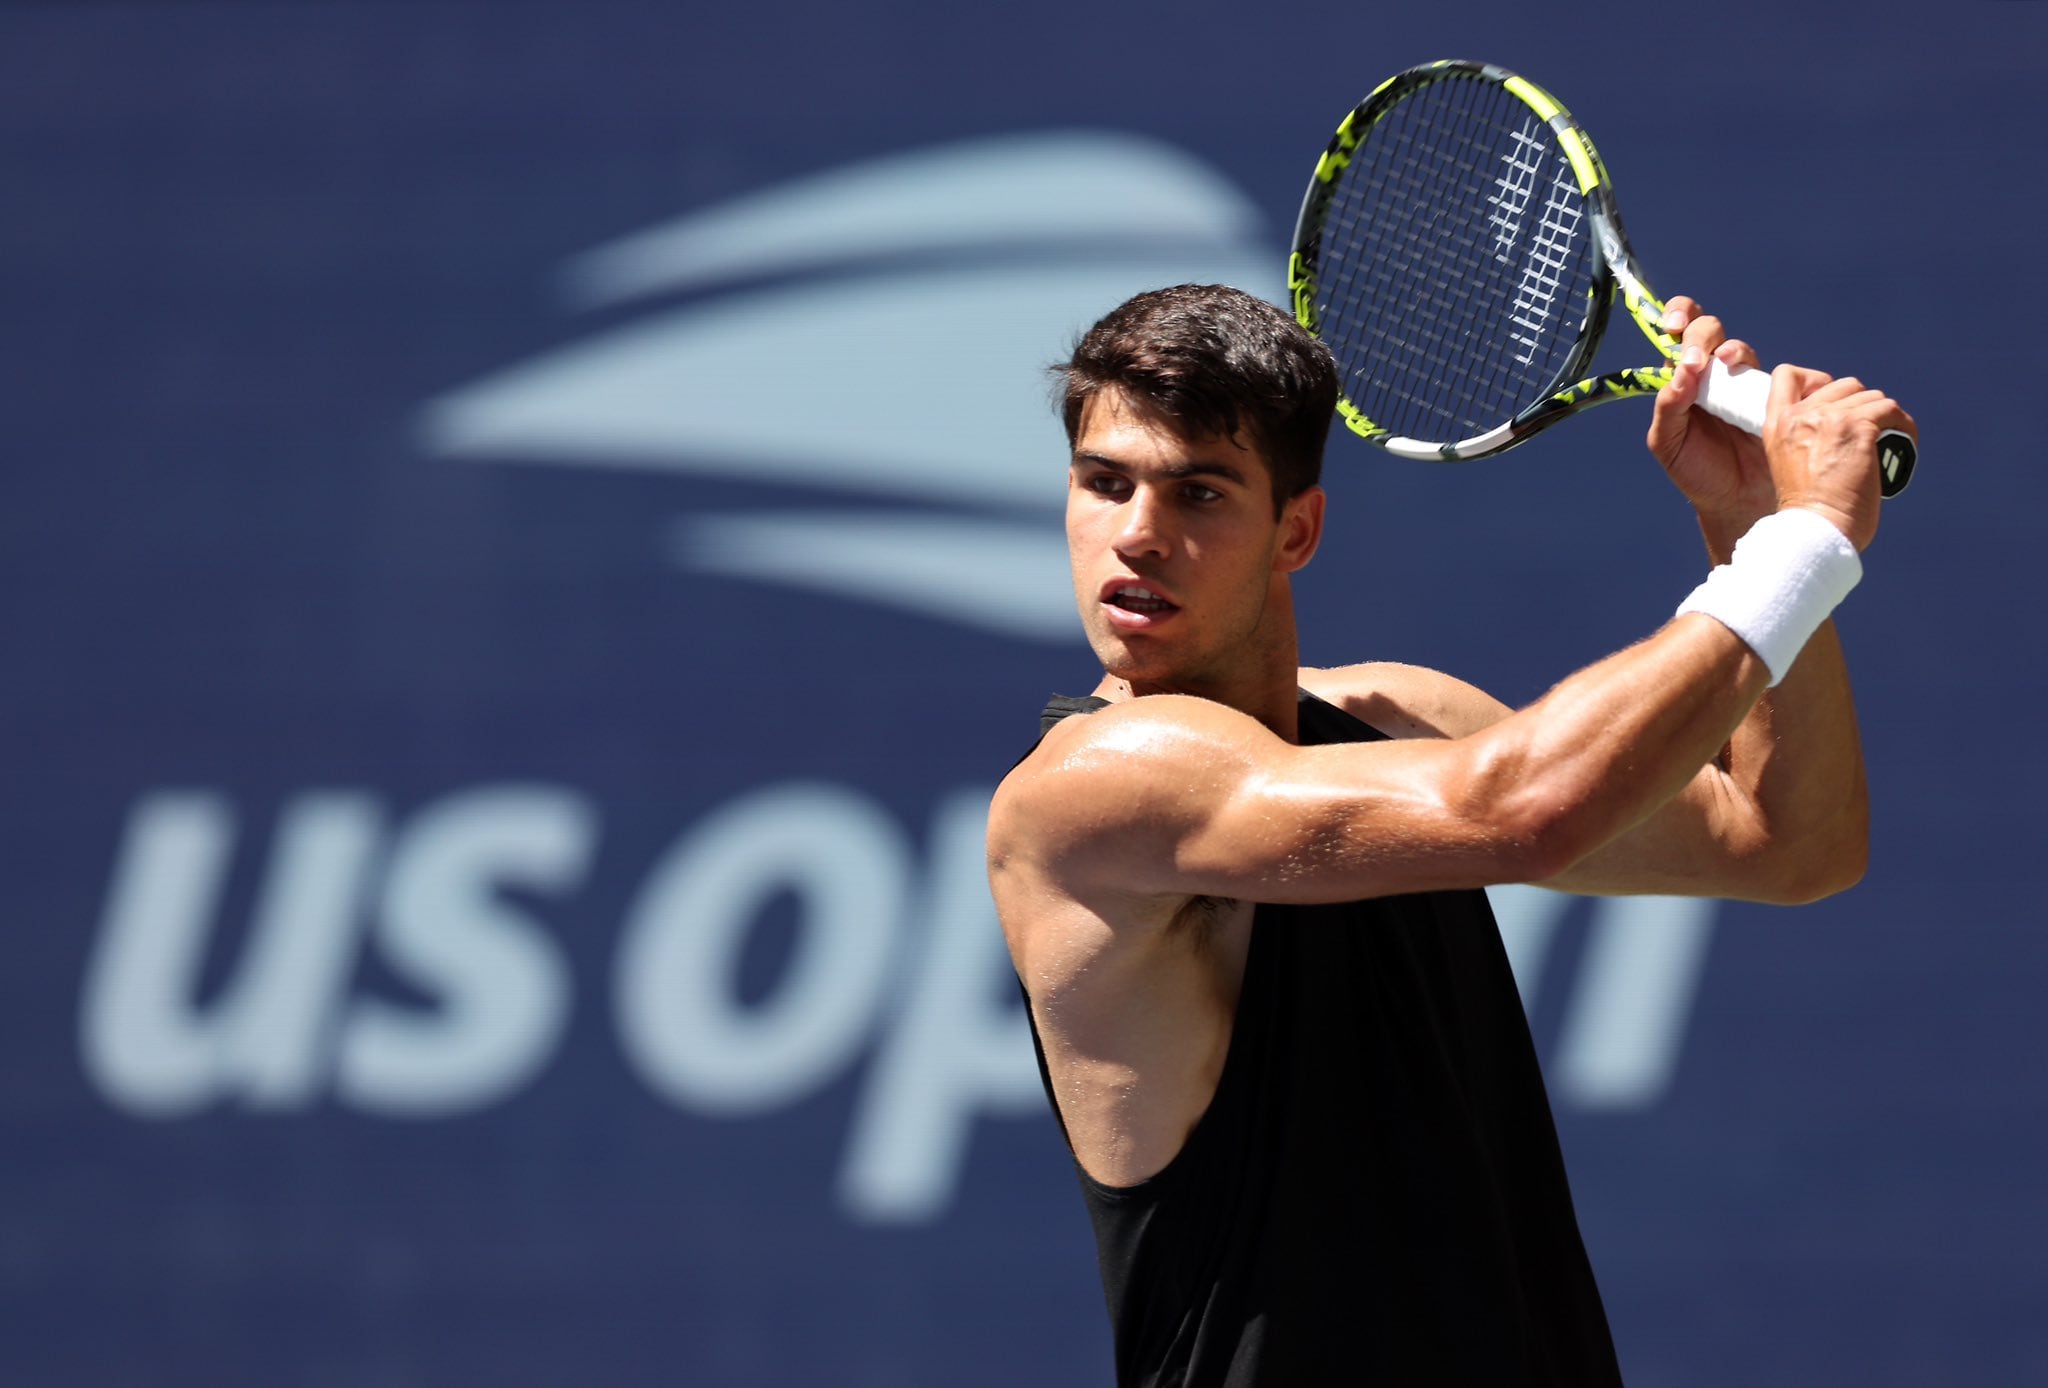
<point x="529" y="532"/>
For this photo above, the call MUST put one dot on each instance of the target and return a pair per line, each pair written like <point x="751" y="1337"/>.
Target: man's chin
<point x="1136" y="668"/>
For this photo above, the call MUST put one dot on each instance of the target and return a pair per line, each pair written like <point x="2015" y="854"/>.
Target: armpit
<point x="1203" y="917"/>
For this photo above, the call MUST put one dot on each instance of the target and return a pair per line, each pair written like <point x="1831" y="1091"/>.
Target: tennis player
<point x="1274" y="1014"/>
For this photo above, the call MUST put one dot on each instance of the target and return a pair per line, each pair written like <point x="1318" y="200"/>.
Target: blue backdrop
<point x="529" y="533"/>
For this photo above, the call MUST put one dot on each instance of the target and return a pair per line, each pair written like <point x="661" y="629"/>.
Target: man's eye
<point x="1200" y="493"/>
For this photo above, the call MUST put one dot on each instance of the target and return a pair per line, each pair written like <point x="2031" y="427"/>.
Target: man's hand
<point x="1821" y="436"/>
<point x="1819" y="449"/>
<point x="1721" y="469"/>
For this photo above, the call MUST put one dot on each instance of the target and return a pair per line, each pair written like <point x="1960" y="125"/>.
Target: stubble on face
<point x="1175" y="546"/>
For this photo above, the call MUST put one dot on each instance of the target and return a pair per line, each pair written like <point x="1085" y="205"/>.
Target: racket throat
<point x="1423" y="451"/>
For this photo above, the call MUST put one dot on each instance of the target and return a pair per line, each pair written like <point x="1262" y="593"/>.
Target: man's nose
<point x="1145" y="528"/>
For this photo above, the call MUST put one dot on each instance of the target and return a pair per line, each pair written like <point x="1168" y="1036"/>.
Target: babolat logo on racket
<point x="1442" y="254"/>
<point x="1524" y="160"/>
<point x="1895" y="458"/>
<point x="871" y="342"/>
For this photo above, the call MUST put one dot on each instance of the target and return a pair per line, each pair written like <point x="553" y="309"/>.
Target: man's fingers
<point x="1671" y="417"/>
<point x="1705" y="332"/>
<point x="1883" y="411"/>
<point x="1852" y="395"/>
<point x="1831" y="391"/>
<point x="1679" y="311"/>
<point x="1790" y="384"/>
<point x="1736" y="352"/>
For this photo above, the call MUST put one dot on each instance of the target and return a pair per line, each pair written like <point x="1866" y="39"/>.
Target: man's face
<point x="1178" y="557"/>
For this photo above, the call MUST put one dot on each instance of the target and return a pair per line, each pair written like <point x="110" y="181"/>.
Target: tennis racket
<point x="1459" y="250"/>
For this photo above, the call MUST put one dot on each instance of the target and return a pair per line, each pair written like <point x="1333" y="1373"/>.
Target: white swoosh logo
<point x="924" y="384"/>
<point x="1046" y="187"/>
<point x="1000" y="576"/>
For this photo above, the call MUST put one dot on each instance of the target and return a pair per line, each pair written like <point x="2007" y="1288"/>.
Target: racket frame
<point x="1614" y="271"/>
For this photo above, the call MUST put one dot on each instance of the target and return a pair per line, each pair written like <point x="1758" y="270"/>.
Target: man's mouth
<point x="1136" y="597"/>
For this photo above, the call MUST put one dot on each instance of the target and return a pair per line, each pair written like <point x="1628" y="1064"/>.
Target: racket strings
<point x="1454" y="263"/>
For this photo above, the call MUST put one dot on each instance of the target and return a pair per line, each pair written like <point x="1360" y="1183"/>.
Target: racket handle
<point x="1740" y="397"/>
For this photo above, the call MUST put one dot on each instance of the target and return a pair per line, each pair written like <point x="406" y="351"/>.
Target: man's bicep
<point x="1192" y="799"/>
<point x="1210" y="803"/>
<point x="1354" y="820"/>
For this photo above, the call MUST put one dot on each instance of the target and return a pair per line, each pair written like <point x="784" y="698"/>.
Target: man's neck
<point x="1260" y="677"/>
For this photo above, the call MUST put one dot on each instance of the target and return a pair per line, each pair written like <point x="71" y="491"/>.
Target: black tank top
<point x="1375" y="1193"/>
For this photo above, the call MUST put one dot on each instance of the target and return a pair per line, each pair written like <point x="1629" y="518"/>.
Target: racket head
<point x="1456" y="251"/>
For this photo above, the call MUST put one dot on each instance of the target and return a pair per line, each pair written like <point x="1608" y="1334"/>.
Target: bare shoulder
<point x="1406" y="701"/>
<point x="1132" y="978"/>
<point x="1114" y="771"/>
<point x="1082" y="834"/>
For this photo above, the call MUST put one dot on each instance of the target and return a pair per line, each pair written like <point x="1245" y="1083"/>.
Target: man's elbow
<point x="1541" y="836"/>
<point x="1533" y="820"/>
<point x="1824" y="863"/>
<point x="1842" y="870"/>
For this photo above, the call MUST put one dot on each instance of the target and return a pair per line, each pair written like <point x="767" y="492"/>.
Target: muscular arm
<point x="1779" y="814"/>
<point x="1653" y="770"/>
<point x="1782" y="814"/>
<point x="1186" y="798"/>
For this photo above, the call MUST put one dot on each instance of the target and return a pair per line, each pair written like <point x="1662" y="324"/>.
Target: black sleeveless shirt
<point x="1375" y="1193"/>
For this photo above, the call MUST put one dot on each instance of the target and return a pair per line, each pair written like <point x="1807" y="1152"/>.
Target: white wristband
<point x="1786" y="576"/>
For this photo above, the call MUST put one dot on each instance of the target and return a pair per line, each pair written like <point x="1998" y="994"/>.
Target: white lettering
<point x="1635" y="993"/>
<point x="911" y="965"/>
<point x="504" y="991"/>
<point x="144" y="1039"/>
<point x="957" y="1048"/>
<point x="1625" y="1022"/>
<point x="674" y="981"/>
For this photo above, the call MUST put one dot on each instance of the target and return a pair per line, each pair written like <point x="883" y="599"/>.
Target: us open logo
<point x="937" y="283"/>
<point x="931" y="287"/>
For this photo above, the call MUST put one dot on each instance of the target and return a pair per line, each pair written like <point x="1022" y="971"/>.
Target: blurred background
<point x="528" y="533"/>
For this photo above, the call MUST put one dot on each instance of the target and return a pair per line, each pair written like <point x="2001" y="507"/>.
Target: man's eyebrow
<point x="1177" y="472"/>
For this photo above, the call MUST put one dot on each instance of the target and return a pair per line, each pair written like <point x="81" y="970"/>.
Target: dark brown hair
<point x="1212" y="361"/>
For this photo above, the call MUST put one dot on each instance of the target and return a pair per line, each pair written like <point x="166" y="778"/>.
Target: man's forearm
<point x="1797" y="760"/>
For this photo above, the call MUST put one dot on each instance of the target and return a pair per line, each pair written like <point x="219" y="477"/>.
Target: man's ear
<point x="1301" y="529"/>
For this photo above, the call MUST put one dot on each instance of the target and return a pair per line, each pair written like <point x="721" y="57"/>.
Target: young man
<point x="1275" y="1019"/>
